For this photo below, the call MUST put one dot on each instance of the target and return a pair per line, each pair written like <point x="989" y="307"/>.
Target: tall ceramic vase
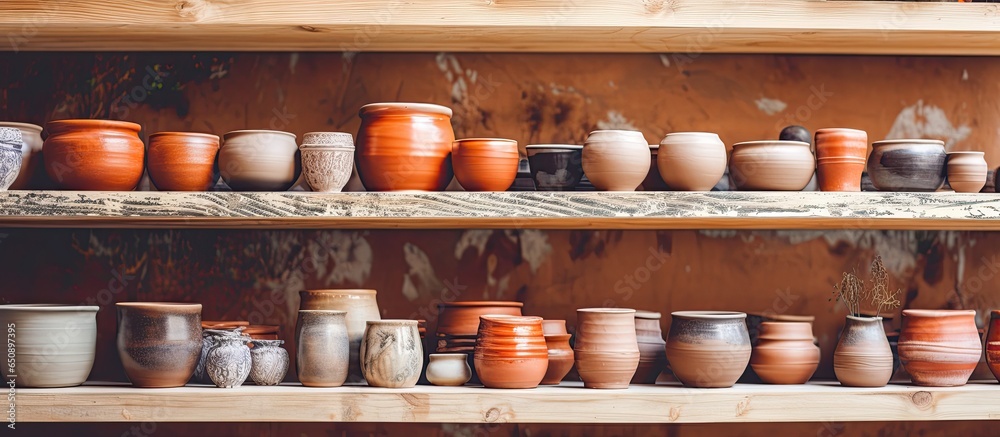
<point x="322" y="348"/>
<point x="993" y="344"/>
<point x="939" y="348"/>
<point x="606" y="349"/>
<point x="616" y="160"/>
<point x="708" y="349"/>
<point x="510" y="351"/>
<point x="360" y="306"/>
<point x="840" y="158"/>
<point x="652" y="347"/>
<point x="391" y="354"/>
<point x="863" y="357"/>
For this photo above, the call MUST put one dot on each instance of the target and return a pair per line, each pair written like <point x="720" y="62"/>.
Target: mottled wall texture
<point x="255" y="275"/>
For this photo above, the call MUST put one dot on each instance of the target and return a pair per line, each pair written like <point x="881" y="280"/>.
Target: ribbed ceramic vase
<point x="510" y="351"/>
<point x="616" y="160"/>
<point x="708" y="349"/>
<point x="360" y="306"/>
<point x="606" y="347"/>
<point x="322" y="348"/>
<point x="391" y="353"/>
<point x="785" y="353"/>
<point x="840" y="158"/>
<point x="939" y="348"/>
<point x="863" y="357"/>
<point x="652" y="347"/>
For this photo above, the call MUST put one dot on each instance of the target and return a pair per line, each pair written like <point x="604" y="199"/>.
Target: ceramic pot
<point x="338" y="140"/>
<point x="616" y="160"/>
<point x="863" y="357"/>
<point x="771" y="165"/>
<point x="554" y="327"/>
<point x="561" y="358"/>
<point x="10" y="156"/>
<point x="224" y="325"/>
<point x="159" y="343"/>
<point x="451" y="370"/>
<point x="322" y="348"/>
<point x="907" y="165"/>
<point x="691" y="161"/>
<point x="840" y="158"/>
<point x="327" y="169"/>
<point x="405" y="146"/>
<point x="785" y="353"/>
<point x="993" y="344"/>
<point x="652" y="352"/>
<point x="182" y="161"/>
<point x="259" y="160"/>
<point x="361" y="307"/>
<point x="208" y="341"/>
<point x="269" y="362"/>
<point x="653" y="181"/>
<point x="32" y="165"/>
<point x="485" y="164"/>
<point x="101" y="155"/>
<point x="262" y="332"/>
<point x="228" y="361"/>
<point x="708" y="349"/>
<point x="939" y="348"/>
<point x="555" y="167"/>
<point x="511" y="352"/>
<point x="606" y="349"/>
<point x="391" y="355"/>
<point x="462" y="318"/>
<point x="55" y="344"/>
<point x="967" y="171"/>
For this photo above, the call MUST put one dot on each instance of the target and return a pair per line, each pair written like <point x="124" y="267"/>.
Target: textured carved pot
<point x="269" y="362"/>
<point x="32" y="165"/>
<point x="993" y="344"/>
<point x="405" y="146"/>
<point x="967" y="171"/>
<point x="561" y="358"/>
<point x="448" y="369"/>
<point x="322" y="348"/>
<point x="208" y="341"/>
<point x="510" y="352"/>
<point x="863" y="357"/>
<point x="391" y="354"/>
<point x="939" y="348"/>
<point x="11" y="145"/>
<point x="327" y="169"/>
<point x="653" y="180"/>
<point x="228" y="362"/>
<point x="616" y="160"/>
<point x="159" y="343"/>
<point x="55" y="344"/>
<point x="785" y="353"/>
<point x="606" y="348"/>
<point x="771" y="165"/>
<point x="691" y="161"/>
<point x="652" y="347"/>
<point x="555" y="167"/>
<point x="99" y="155"/>
<point x="907" y="165"/>
<point x="360" y="305"/>
<point x="182" y="161"/>
<point x="708" y="349"/>
<point x="485" y="164"/>
<point x="259" y="160"/>
<point x="840" y="158"/>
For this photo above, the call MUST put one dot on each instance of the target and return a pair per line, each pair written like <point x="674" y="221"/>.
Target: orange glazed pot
<point x="485" y="164"/>
<point x="404" y="146"/>
<point x="841" y="156"/>
<point x="182" y="161"/>
<point x="94" y="155"/>
<point x="939" y="348"/>
<point x="511" y="352"/>
<point x="993" y="344"/>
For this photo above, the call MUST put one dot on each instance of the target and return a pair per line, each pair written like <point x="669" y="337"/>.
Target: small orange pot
<point x="485" y="164"/>
<point x="182" y="161"/>
<point x="841" y="155"/>
<point x="511" y="352"/>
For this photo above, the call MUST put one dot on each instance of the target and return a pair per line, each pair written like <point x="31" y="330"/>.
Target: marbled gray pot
<point x="11" y="148"/>
<point x="907" y="165"/>
<point x="228" y="362"/>
<point x="391" y="354"/>
<point x="207" y="343"/>
<point x="270" y="362"/>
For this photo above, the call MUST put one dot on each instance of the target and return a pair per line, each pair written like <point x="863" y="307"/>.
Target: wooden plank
<point x="690" y="27"/>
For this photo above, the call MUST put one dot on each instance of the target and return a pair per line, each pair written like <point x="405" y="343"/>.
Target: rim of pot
<point x="401" y="322"/>
<point x="772" y="142"/>
<point x="267" y="342"/>
<point x="651" y="315"/>
<point x="558" y="336"/>
<point x="506" y="140"/>
<point x="506" y="318"/>
<point x="555" y="146"/>
<point x="937" y="313"/>
<point x="257" y="131"/>
<point x="841" y="129"/>
<point x="606" y="310"/>
<point x="908" y="141"/>
<point x="63" y="125"/>
<point x="865" y="318"/>
<point x="722" y="315"/>
<point x="365" y="291"/>
<point x="482" y="303"/>
<point x="615" y="130"/>
<point x="21" y="125"/>
<point x="419" y="107"/>
<point x="967" y="152"/>
<point x="449" y="355"/>
<point x="159" y="305"/>
<point x="691" y="133"/>
<point x="323" y="312"/>
<point x="186" y="134"/>
<point x="49" y="307"/>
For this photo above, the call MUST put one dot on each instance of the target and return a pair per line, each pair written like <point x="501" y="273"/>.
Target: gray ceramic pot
<point x="228" y="360"/>
<point x="270" y="362"/>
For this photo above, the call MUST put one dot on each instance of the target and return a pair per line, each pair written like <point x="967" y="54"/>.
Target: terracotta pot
<point x="450" y="370"/>
<point x="159" y="343"/>
<point x="652" y="347"/>
<point x="561" y="358"/>
<point x="219" y="325"/>
<point x="691" y="161"/>
<point x="32" y="165"/>
<point x="939" y="348"/>
<point x="259" y="160"/>
<point x="967" y="171"/>
<point x="616" y="160"/>
<point x="840" y="158"/>
<point x="993" y="344"/>
<point x="322" y="348"/>
<point x="10" y="156"/>
<point x="361" y="307"/>
<point x="786" y="353"/>
<point x="555" y="167"/>
<point x="269" y="362"/>
<point x="863" y="357"/>
<point x="100" y="155"/>
<point x="606" y="348"/>
<point x="405" y="146"/>
<point x="391" y="355"/>
<point x="907" y="165"/>
<point x="511" y="352"/>
<point x="182" y="161"/>
<point x="327" y="169"/>
<point x="54" y="345"/>
<point x="708" y="349"/>
<point x="771" y="165"/>
<point x="462" y="318"/>
<point x="554" y="327"/>
<point x="653" y="181"/>
<point x="485" y="164"/>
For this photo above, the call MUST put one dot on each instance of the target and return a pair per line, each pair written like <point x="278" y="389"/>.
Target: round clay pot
<point x="511" y="352"/>
<point x="554" y="327"/>
<point x="361" y="307"/>
<point x="485" y="164"/>
<point x="209" y="340"/>
<point x="967" y="171"/>
<point x="227" y="360"/>
<point x="907" y="165"/>
<point x="993" y="344"/>
<point x="182" y="161"/>
<point x="555" y="167"/>
<point x="322" y="348"/>
<point x="653" y="181"/>
<point x="55" y="344"/>
<point x="327" y="169"/>
<point x="100" y="155"/>
<point x="652" y="347"/>
<point x="863" y="357"/>
<point x="840" y="158"/>
<point x="462" y="318"/>
<point x="405" y="146"/>
<point x="771" y="165"/>
<point x="259" y="160"/>
<point x="10" y="156"/>
<point x="708" y="349"/>
<point x="269" y="362"/>
<point x="691" y="161"/>
<point x="616" y="160"/>
<point x="785" y="353"/>
<point x="939" y="348"/>
<point x="32" y="165"/>
<point x="450" y="370"/>
<point x="606" y="348"/>
<point x="159" y="343"/>
<point x="561" y="358"/>
<point x="391" y="355"/>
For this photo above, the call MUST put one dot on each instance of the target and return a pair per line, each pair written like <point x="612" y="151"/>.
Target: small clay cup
<point x="159" y="343"/>
<point x="691" y="161"/>
<point x="616" y="160"/>
<point x="561" y="358"/>
<point x="840" y="158"/>
<point x="182" y="161"/>
<point x="485" y="164"/>
<point x="510" y="352"/>
<point x="967" y="171"/>
<point x="555" y="167"/>
<point x="785" y="353"/>
<point x="939" y="348"/>
<point x="449" y="370"/>
<point x="907" y="165"/>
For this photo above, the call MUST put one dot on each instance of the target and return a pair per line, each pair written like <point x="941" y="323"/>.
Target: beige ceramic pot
<point x="259" y="160"/>
<point x="360" y="306"/>
<point x="616" y="160"/>
<point x="31" y="158"/>
<point x="606" y="348"/>
<point x="449" y="369"/>
<point x="863" y="357"/>
<point x="771" y="165"/>
<point x="391" y="354"/>
<point x="967" y="171"/>
<point x="785" y="353"/>
<point x="691" y="161"/>
<point x="55" y="344"/>
<point x="708" y="349"/>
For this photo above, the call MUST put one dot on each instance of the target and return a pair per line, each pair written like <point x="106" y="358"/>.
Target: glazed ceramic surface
<point x="606" y="348"/>
<point x="100" y="155"/>
<point x="11" y="145"/>
<point x="691" y="161"/>
<point x="555" y="167"/>
<point x="616" y="160"/>
<point x="966" y="171"/>
<point x="863" y="357"/>
<point x="840" y="158"/>
<point x="228" y="361"/>
<point x="391" y="354"/>
<point x="708" y="349"/>
<point x="652" y="352"/>
<point x="939" y="348"/>
<point x="907" y="165"/>
<point x="485" y="164"/>
<point x="159" y="343"/>
<point x="653" y="180"/>
<point x="462" y="318"/>
<point x="405" y="146"/>
<point x="322" y="348"/>
<point x="182" y="161"/>
<point x="360" y="305"/>
<point x="993" y="343"/>
<point x="450" y="370"/>
<point x="561" y="358"/>
<point x="55" y="344"/>
<point x="327" y="169"/>
<point x="771" y="165"/>
<point x="259" y="160"/>
<point x="31" y="156"/>
<point x="510" y="351"/>
<point x="269" y="362"/>
<point x="785" y="353"/>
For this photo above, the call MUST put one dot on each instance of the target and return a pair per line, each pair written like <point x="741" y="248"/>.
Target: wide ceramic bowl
<point x="54" y="344"/>
<point x="907" y="165"/>
<point x="555" y="167"/>
<point x="771" y="165"/>
<point x="259" y="160"/>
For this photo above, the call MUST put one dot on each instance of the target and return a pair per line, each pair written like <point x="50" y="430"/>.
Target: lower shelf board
<point x="566" y="403"/>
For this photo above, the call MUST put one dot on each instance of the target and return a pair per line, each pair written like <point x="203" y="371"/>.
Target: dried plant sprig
<point x="852" y="291"/>
<point x="880" y="296"/>
<point x="849" y="292"/>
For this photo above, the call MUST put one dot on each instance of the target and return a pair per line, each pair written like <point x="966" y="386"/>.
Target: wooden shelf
<point x="689" y="27"/>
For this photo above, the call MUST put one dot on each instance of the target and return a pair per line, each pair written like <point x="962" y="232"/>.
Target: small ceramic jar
<point x="448" y="369"/>
<point x="322" y="348"/>
<point x="327" y="160"/>
<point x="228" y="360"/>
<point x="691" y="161"/>
<point x="708" y="349"/>
<point x="269" y="362"/>
<point x="182" y="161"/>
<point x="616" y="160"/>
<point x="11" y="145"/>
<point x="785" y="353"/>
<point x="485" y="164"/>
<point x="967" y="171"/>
<point x="606" y="348"/>
<point x="561" y="358"/>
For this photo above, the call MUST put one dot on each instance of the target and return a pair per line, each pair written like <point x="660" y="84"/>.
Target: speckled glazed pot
<point x="652" y="347"/>
<point x="391" y="354"/>
<point x="182" y="161"/>
<point x="691" y="161"/>
<point x="450" y="370"/>
<point x="907" y="165"/>
<point x="100" y="155"/>
<point x="405" y="146"/>
<point x="259" y="160"/>
<point x="616" y="160"/>
<point x="159" y="343"/>
<point x="993" y="343"/>
<point x="360" y="305"/>
<point x="11" y="144"/>
<point x="785" y="353"/>
<point x="967" y="171"/>
<point x="771" y="165"/>
<point x="606" y="347"/>
<point x="863" y="357"/>
<point x="485" y="164"/>
<point x="510" y="352"/>
<point x="840" y="158"/>
<point x="555" y="167"/>
<point x="708" y="349"/>
<point x="54" y="344"/>
<point x="32" y="165"/>
<point x="939" y="348"/>
<point x="322" y="348"/>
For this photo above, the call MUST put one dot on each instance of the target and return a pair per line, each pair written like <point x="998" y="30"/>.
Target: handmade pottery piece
<point x="616" y="160"/>
<point x="691" y="161"/>
<point x="785" y="353"/>
<point x="653" y="181"/>
<point x="360" y="305"/>
<point x="606" y="348"/>
<point x="327" y="169"/>
<point x="259" y="160"/>
<point x="907" y="165"/>
<point x="771" y="165"/>
<point x="652" y="347"/>
<point x="405" y="146"/>
<point x="208" y="341"/>
<point x="327" y="139"/>
<point x="863" y="357"/>
<point x="462" y="318"/>
<point x="708" y="349"/>
<point x="99" y="155"/>
<point x="450" y="370"/>
<point x="939" y="348"/>
<point x="55" y="344"/>
<point x="561" y="358"/>
<point x="322" y="348"/>
<point x="795" y="133"/>
<point x="555" y="167"/>
<point x="993" y="344"/>
<point x="840" y="158"/>
<point x="485" y="164"/>
<point x="391" y="354"/>
<point x="510" y="352"/>
<point x="224" y="325"/>
<point x="269" y="362"/>
<point x="262" y="332"/>
<point x="182" y="161"/>
<point x="10" y="156"/>
<point x="228" y="361"/>
<point x="967" y="171"/>
<point x="554" y="327"/>
<point x="159" y="343"/>
<point x="31" y="156"/>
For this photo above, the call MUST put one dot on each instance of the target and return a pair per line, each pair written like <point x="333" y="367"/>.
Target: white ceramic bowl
<point x="54" y="345"/>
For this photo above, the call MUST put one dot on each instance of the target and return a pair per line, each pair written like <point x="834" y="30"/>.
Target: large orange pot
<point x="939" y="348"/>
<point x="99" y="155"/>
<point x="404" y="146"/>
